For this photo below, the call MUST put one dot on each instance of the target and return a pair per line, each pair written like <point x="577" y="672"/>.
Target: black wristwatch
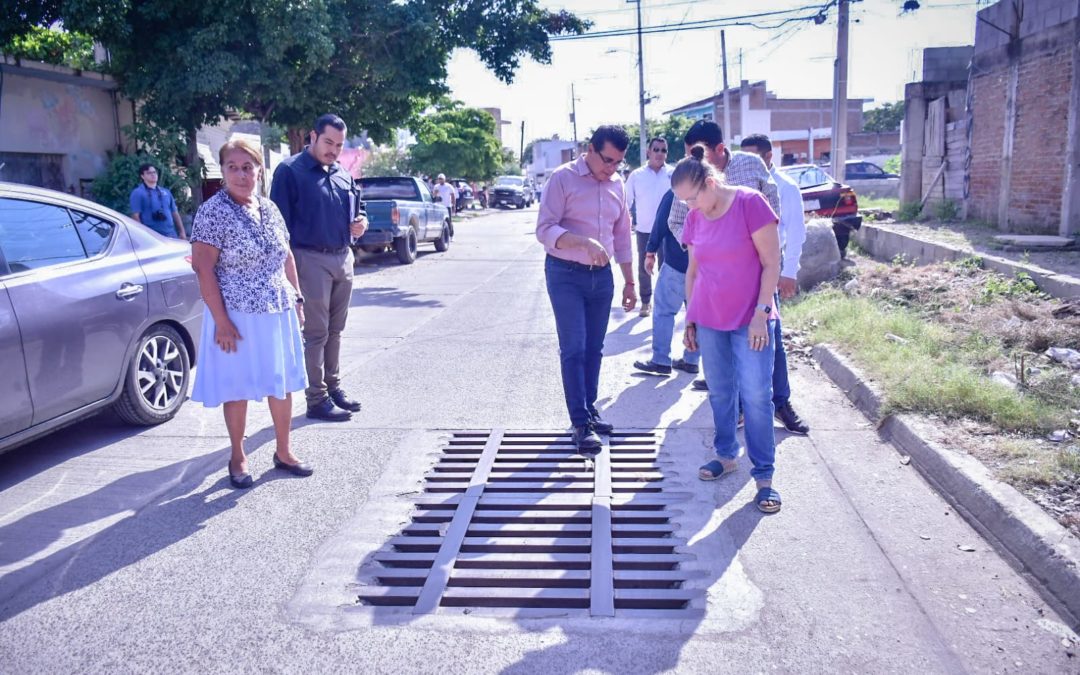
<point x="299" y="299"/>
<point x="765" y="308"/>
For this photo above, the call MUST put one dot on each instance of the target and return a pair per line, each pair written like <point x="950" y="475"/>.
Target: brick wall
<point x="988" y="100"/>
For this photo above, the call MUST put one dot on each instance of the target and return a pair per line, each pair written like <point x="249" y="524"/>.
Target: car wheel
<point x="442" y="244"/>
<point x="406" y="248"/>
<point x="156" y="383"/>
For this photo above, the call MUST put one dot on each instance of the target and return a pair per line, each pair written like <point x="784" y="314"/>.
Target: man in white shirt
<point x="645" y="188"/>
<point x="792" y="236"/>
<point x="447" y="193"/>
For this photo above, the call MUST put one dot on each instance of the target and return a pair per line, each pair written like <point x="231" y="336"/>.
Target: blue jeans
<point x="581" y="299"/>
<point x="668" y="299"/>
<point x="780" y="385"/>
<point x="734" y="371"/>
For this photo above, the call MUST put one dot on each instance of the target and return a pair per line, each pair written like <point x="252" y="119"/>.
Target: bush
<point x="947" y="210"/>
<point x="113" y="188"/>
<point x="908" y="212"/>
<point x="892" y="164"/>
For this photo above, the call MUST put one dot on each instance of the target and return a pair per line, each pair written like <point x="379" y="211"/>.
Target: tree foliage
<point x="885" y="118"/>
<point x="458" y="142"/>
<point x="673" y="130"/>
<point x="74" y="50"/>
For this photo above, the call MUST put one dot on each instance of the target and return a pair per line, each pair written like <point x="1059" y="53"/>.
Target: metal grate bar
<point x="431" y="594"/>
<point x="602" y="598"/>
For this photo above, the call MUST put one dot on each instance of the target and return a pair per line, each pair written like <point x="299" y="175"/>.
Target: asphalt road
<point x="126" y="550"/>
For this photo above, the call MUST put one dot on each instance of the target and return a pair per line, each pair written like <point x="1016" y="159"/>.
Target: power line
<point x="717" y="22"/>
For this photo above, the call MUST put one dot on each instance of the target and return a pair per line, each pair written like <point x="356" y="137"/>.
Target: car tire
<point x="406" y="248"/>
<point x="156" y="383"/>
<point x="442" y="244"/>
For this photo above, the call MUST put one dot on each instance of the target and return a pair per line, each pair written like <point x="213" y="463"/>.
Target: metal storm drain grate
<point x="520" y="521"/>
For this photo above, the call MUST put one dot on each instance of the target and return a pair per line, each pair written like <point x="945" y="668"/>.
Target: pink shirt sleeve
<point x="621" y="235"/>
<point x="757" y="211"/>
<point x="552" y="203"/>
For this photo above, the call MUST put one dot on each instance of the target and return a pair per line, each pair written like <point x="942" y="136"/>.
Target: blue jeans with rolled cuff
<point x="581" y="299"/>
<point x="669" y="297"/>
<point x="735" y="371"/>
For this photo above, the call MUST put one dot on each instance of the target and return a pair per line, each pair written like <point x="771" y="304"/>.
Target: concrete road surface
<point x="125" y="550"/>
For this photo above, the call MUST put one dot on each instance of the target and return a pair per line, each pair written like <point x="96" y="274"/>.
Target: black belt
<point x="322" y="249"/>
<point x="578" y="266"/>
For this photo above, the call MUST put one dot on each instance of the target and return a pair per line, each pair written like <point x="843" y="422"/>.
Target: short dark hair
<point x="704" y="131"/>
<point x="694" y="169"/>
<point x="610" y="133"/>
<point x="329" y="120"/>
<point x="144" y="166"/>
<point x="759" y="141"/>
<point x="657" y="138"/>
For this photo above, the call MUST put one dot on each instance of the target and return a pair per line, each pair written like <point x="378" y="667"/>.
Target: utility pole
<point x="727" y="97"/>
<point x="642" y="132"/>
<point x="839" y="127"/>
<point x="573" y="115"/>
<point x="521" y="152"/>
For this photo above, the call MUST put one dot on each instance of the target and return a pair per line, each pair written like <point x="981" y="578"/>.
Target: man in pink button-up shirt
<point x="583" y="223"/>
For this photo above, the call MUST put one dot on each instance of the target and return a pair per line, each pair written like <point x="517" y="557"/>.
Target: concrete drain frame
<point x="519" y="523"/>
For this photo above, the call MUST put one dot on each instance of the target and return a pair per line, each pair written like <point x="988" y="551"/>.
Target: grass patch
<point x="932" y="368"/>
<point x="884" y="203"/>
<point x="908" y="212"/>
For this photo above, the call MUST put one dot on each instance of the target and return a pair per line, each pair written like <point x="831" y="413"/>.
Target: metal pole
<point x="573" y="115"/>
<point x="839" y="140"/>
<point x="521" y="152"/>
<point x="727" y="97"/>
<point x="642" y="132"/>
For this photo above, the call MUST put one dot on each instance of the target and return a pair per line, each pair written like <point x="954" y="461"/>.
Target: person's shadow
<point x="167" y="517"/>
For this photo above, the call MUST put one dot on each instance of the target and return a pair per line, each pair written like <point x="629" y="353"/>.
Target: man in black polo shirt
<point x="321" y="209"/>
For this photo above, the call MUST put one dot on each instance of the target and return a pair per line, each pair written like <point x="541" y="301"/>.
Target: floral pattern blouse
<point x="251" y="267"/>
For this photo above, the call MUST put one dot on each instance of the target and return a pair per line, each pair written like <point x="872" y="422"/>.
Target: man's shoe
<point x="683" y="365"/>
<point x="652" y="368"/>
<point x="791" y="420"/>
<point x="327" y="411"/>
<point x="586" y="440"/>
<point x="342" y="400"/>
<point x="646" y="309"/>
<point x="298" y="469"/>
<point x="600" y="426"/>
<point x="700" y="385"/>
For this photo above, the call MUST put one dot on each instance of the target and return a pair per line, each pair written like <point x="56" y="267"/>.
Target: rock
<point x="820" y="259"/>
<point x="896" y="338"/>
<point x="1059" y="436"/>
<point x="1069" y="357"/>
<point x="1075" y="380"/>
<point x="852" y="287"/>
<point x="1007" y="379"/>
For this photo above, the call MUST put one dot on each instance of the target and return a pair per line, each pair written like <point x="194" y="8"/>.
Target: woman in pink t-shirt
<point x="731" y="234"/>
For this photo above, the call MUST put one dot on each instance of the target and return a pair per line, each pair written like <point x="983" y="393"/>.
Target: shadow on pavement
<point x="161" y="517"/>
<point x="384" y="296"/>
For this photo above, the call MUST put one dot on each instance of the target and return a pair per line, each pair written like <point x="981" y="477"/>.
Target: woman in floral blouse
<point x="251" y="344"/>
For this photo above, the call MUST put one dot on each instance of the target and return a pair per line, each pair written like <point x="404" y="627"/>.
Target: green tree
<point x="885" y="118"/>
<point x="388" y="161"/>
<point x="672" y="129"/>
<point x="74" y="50"/>
<point x="459" y="142"/>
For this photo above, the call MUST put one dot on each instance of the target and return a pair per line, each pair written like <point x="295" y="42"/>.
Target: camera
<point x="158" y="215"/>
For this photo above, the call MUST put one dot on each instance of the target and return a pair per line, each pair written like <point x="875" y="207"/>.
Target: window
<point x="35" y="235"/>
<point x="388" y="188"/>
<point x="94" y="232"/>
<point x="871" y="170"/>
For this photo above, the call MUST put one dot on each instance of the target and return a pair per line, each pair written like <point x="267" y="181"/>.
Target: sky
<point x="795" y="60"/>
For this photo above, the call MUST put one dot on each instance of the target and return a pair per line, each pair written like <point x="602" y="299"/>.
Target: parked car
<point x="856" y="169"/>
<point x="514" y="191"/>
<point x="96" y="311"/>
<point x="401" y="215"/>
<point x="827" y="198"/>
<point x="464" y="194"/>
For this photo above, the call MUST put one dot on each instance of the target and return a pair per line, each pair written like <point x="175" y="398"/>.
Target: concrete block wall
<point x="1038" y="16"/>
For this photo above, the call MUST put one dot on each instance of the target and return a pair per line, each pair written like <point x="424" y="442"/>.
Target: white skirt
<point x="268" y="361"/>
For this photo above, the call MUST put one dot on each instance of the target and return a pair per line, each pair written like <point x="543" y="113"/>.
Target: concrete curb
<point x="1033" y="542"/>
<point x="886" y="244"/>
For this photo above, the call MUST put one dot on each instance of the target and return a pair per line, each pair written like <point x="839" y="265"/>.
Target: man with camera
<point x="154" y="206"/>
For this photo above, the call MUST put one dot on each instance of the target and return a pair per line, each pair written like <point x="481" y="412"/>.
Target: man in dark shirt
<point x="323" y="214"/>
<point x="669" y="295"/>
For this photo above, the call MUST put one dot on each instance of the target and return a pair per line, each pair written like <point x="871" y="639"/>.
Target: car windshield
<point x="388" y="188"/>
<point x="510" y="181"/>
<point x="808" y="176"/>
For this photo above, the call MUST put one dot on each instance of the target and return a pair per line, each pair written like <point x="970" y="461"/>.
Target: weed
<point x="902" y="260"/>
<point x="998" y="287"/>
<point x="947" y="210"/>
<point x="908" y="211"/>
<point x="969" y="264"/>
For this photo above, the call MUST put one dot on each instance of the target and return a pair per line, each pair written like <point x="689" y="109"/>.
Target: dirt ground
<point x="1023" y="321"/>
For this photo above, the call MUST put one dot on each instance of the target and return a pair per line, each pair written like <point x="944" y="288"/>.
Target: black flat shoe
<point x="700" y="385"/>
<point x="652" y="368"/>
<point x="240" y="481"/>
<point x="327" y="411"/>
<point x="342" y="400"/>
<point x="683" y="365"/>
<point x="298" y="469"/>
<point x="600" y="426"/>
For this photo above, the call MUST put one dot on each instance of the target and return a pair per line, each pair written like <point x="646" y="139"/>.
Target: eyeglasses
<point x="607" y="160"/>
<point x="660" y="150"/>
